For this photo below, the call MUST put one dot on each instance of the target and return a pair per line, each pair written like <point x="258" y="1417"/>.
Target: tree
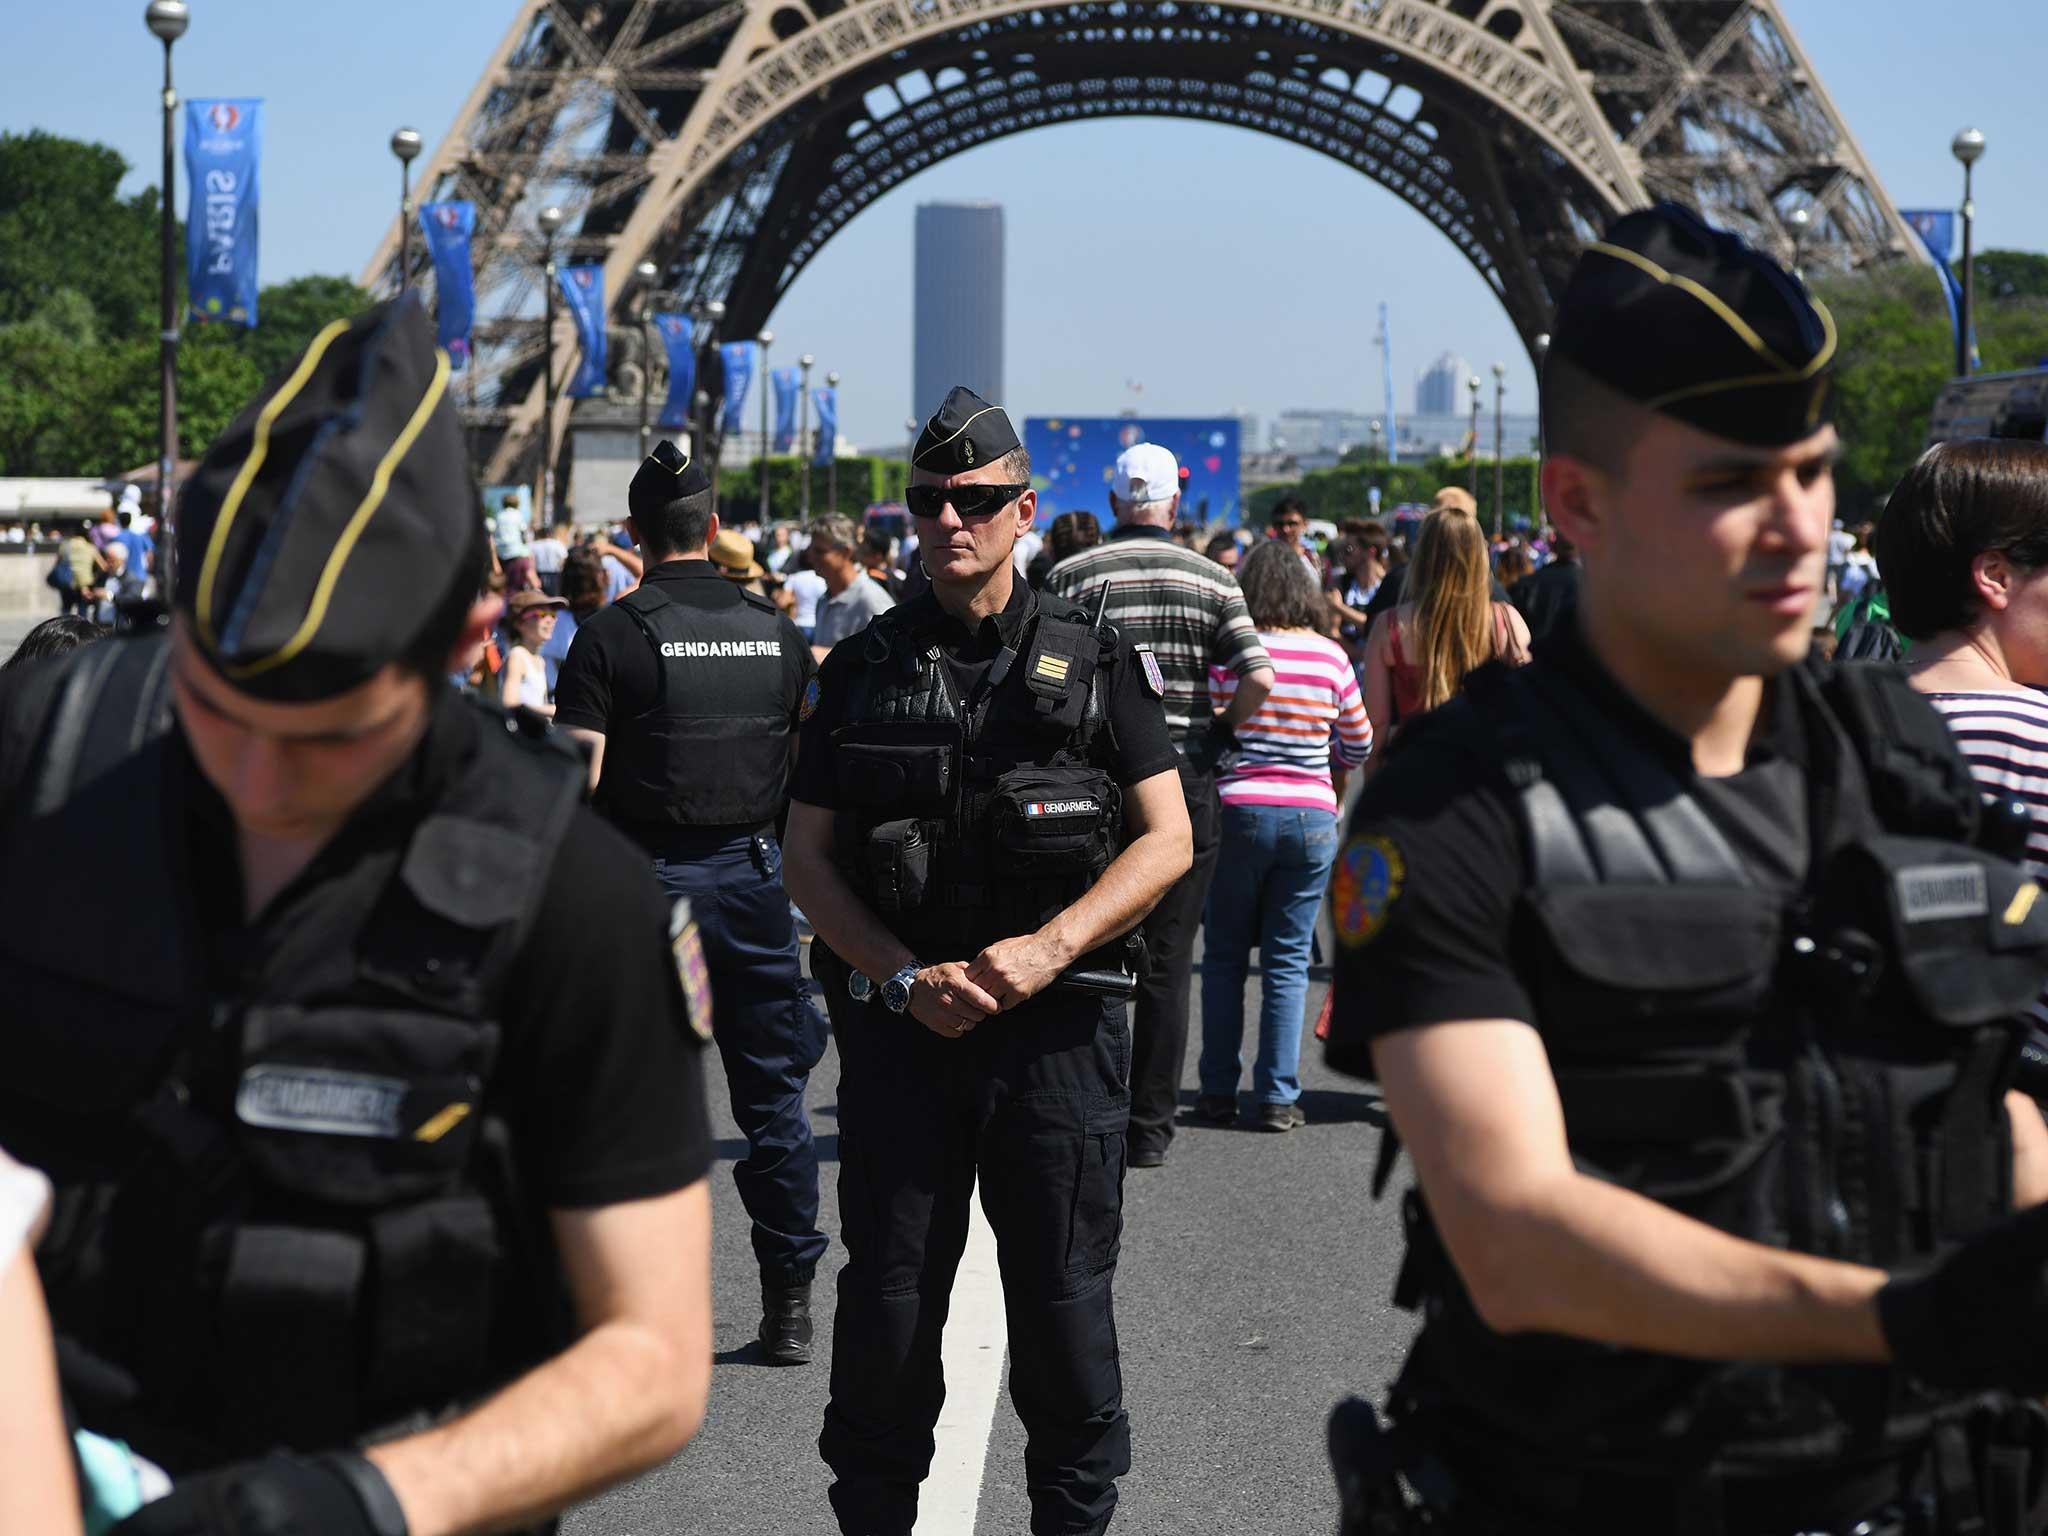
<point x="292" y="313"/>
<point x="64" y="224"/>
<point x="2011" y="275"/>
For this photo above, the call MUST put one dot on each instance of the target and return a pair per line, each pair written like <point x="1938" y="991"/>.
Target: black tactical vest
<point x="287" y="1214"/>
<point x="713" y="747"/>
<point x="970" y="819"/>
<point x="1825" y="1076"/>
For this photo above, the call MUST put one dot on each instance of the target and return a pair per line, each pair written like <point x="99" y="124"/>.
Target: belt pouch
<point x="898" y="862"/>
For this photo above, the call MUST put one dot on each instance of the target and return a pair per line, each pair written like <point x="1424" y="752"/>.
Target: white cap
<point x="1145" y="472"/>
<point x="131" y="498"/>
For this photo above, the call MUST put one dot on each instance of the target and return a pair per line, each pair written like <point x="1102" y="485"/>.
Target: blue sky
<point x="1223" y="269"/>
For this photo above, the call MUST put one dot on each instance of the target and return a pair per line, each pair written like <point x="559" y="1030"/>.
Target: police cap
<point x="1689" y="321"/>
<point x="326" y="527"/>
<point x="965" y="433"/>
<point x="664" y="477"/>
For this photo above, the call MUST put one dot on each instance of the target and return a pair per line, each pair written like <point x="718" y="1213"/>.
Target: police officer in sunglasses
<point x="985" y="804"/>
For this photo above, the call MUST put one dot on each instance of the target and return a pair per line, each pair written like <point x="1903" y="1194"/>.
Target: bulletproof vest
<point x="712" y="749"/>
<point x="287" y="1211"/>
<point x="964" y="820"/>
<point x="1824" y="1074"/>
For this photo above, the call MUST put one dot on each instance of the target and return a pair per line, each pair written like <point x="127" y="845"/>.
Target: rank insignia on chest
<point x="809" y="706"/>
<point x="691" y="969"/>
<point x="1148" y="664"/>
<point x="1050" y="667"/>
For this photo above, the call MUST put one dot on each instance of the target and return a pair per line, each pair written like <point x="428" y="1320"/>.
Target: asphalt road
<point x="1252" y="1295"/>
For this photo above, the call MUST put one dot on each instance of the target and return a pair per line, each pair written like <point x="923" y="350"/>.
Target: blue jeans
<point x="768" y="1035"/>
<point x="1270" y="876"/>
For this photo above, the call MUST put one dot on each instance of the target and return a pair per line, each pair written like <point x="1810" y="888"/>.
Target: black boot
<point x="786" y="1321"/>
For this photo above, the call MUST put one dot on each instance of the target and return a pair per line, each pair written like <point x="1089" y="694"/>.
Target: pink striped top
<point x="1314" y="713"/>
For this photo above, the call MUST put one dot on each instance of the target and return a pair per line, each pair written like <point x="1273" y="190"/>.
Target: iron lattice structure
<point x="727" y="140"/>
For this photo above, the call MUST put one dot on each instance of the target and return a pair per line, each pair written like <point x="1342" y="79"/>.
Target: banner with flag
<point x="825" y="401"/>
<point x="448" y="227"/>
<point x="787" y="381"/>
<point x="223" y="143"/>
<point x="583" y="287"/>
<point x="679" y="339"/>
<point x="738" y="359"/>
<point x="1936" y="228"/>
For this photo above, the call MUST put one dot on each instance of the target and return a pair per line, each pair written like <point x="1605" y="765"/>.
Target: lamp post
<point x="713" y="315"/>
<point x="1500" y="463"/>
<point x="1379" y="430"/>
<point x="1542" y="349"/>
<point x="909" y="449"/>
<point x="832" y="459"/>
<point x="406" y="145"/>
<point x="764" y="339"/>
<point x="803" y="431"/>
<point x="1800" y="220"/>
<point x="1967" y="147"/>
<point x="647" y="272"/>
<point x="167" y="20"/>
<point x="549" y="220"/>
<point x="1472" y="436"/>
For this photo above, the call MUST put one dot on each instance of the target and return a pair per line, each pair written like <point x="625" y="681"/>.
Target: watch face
<point x="896" y="994"/>
<point x="859" y="988"/>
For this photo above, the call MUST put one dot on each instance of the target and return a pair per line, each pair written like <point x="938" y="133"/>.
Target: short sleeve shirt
<point x="847" y="613"/>
<point x="1139" y="745"/>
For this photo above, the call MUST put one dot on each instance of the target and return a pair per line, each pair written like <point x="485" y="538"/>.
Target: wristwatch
<point x="896" y="990"/>
<point x="859" y="988"/>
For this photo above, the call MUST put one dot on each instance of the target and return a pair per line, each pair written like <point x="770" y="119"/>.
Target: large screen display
<point x="1073" y="457"/>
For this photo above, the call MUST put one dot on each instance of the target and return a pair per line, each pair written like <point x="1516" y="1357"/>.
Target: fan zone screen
<point x="1072" y="458"/>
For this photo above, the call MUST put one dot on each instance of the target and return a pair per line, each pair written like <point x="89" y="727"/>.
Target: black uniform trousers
<point x="1033" y="1105"/>
<point x="1160" y="1017"/>
<point x="768" y="1036"/>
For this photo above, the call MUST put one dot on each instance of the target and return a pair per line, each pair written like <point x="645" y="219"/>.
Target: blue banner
<point x="448" y="227"/>
<point x="825" y="402"/>
<point x="787" y="382"/>
<point x="223" y="143"/>
<point x="681" y="344"/>
<point x="1936" y="228"/>
<point x="739" y="359"/>
<point x="583" y="287"/>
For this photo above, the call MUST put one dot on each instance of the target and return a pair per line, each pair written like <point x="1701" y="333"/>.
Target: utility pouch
<point x="1060" y="671"/>
<point x="1055" y="820"/>
<point x="362" y="1107"/>
<point x="896" y="858"/>
<point x="910" y="767"/>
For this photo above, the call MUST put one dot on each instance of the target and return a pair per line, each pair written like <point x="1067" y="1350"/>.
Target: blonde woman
<point x="1419" y="651"/>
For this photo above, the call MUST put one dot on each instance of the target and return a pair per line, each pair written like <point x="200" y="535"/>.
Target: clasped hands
<point x="949" y="999"/>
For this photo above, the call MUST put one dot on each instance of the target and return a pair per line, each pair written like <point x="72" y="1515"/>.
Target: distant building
<point x="1441" y="391"/>
<point x="959" y="288"/>
<point x="1322" y="431"/>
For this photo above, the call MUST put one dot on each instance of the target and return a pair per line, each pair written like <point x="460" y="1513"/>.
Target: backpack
<point x="1864" y="631"/>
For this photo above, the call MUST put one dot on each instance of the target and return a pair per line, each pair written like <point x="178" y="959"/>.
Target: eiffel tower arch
<point x="726" y="141"/>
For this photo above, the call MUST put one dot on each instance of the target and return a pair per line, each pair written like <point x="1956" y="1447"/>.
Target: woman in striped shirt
<point x="1963" y="550"/>
<point x="1278" y="840"/>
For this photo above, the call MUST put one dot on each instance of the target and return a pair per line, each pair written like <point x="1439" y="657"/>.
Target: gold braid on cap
<point x="1785" y="374"/>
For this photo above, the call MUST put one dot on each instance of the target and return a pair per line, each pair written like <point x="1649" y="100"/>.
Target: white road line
<point x="972" y="1352"/>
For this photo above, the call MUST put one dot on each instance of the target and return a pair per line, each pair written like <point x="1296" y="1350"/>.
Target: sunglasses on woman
<point x="967" y="500"/>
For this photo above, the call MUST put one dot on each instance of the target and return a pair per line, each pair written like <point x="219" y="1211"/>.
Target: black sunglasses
<point x="967" y="500"/>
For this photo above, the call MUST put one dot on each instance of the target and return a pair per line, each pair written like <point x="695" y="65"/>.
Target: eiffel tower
<point x="726" y="141"/>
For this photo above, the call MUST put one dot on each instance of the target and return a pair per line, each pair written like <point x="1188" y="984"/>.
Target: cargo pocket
<point x="1094" y="1234"/>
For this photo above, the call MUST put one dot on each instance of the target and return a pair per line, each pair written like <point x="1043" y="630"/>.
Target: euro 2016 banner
<point x="738" y="360"/>
<point x="826" y="402"/>
<point x="223" y="143"/>
<point x="583" y="287"/>
<point x="448" y="227"/>
<point x="676" y="339"/>
<point x="787" y="381"/>
<point x="1073" y="459"/>
<point x="1936" y="228"/>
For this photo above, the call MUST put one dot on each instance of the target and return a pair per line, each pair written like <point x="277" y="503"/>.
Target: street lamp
<point x="406" y="145"/>
<point x="1379" y="430"/>
<point x="549" y="220"/>
<point x="1472" y="437"/>
<point x="1541" y="347"/>
<point x="764" y="339"/>
<point x="1967" y="147"/>
<point x="647" y="272"/>
<point x="832" y="459"/>
<point x="803" y="431"/>
<point x="1800" y="220"/>
<point x="1500" y="463"/>
<point x="909" y="449"/>
<point x="713" y="316"/>
<point x="167" y="20"/>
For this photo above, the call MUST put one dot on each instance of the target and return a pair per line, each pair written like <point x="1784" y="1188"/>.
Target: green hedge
<point x="861" y="480"/>
<point x="1340" y="492"/>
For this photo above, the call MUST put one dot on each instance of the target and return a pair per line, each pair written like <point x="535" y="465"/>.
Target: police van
<point x="2009" y="405"/>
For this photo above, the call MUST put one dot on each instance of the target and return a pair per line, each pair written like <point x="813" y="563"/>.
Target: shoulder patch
<point x="691" y="968"/>
<point x="809" y="706"/>
<point x="1368" y="881"/>
<point x="1148" y="665"/>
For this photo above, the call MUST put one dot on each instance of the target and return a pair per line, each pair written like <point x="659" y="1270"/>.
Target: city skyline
<point x="1225" y="272"/>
